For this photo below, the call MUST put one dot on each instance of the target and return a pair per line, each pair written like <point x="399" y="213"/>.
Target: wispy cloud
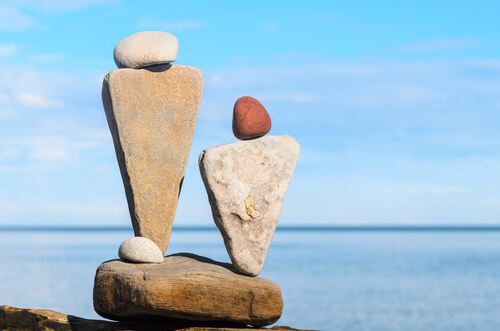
<point x="8" y="153"/>
<point x="376" y="99"/>
<point x="388" y="137"/>
<point x="271" y="27"/>
<point x="274" y="59"/>
<point x="164" y="25"/>
<point x="10" y="208"/>
<point x="295" y="97"/>
<point x="438" y="45"/>
<point x="49" y="57"/>
<point x="51" y="148"/>
<point x="36" y="89"/>
<point x="14" y="15"/>
<point x="50" y="154"/>
<point x="87" y="208"/>
<point x="13" y="19"/>
<point x="8" y="50"/>
<point x="346" y="70"/>
<point x="47" y="118"/>
<point x="419" y="189"/>
<point x="397" y="93"/>
<point x="63" y="5"/>
<point x="54" y="6"/>
<point x="37" y="100"/>
<point x="40" y="148"/>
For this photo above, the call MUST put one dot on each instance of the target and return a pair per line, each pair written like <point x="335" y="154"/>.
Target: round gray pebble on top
<point x="146" y="48"/>
<point x="140" y="249"/>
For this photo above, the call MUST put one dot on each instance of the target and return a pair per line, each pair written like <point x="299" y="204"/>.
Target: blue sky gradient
<point x="395" y="104"/>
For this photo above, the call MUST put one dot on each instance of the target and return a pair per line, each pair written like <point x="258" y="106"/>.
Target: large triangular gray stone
<point x="152" y="116"/>
<point x="246" y="182"/>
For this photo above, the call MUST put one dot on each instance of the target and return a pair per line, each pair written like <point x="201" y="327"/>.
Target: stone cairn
<point x="152" y="107"/>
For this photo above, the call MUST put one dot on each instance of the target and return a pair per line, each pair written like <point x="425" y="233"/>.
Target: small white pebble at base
<point x="140" y="249"/>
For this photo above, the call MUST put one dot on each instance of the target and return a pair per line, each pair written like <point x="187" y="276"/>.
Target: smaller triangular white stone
<point x="246" y="182"/>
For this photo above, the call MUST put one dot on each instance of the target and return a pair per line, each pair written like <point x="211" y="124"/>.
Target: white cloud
<point x="410" y="220"/>
<point x="64" y="5"/>
<point x="382" y="141"/>
<point x="491" y="202"/>
<point x="398" y="93"/>
<point x="41" y="148"/>
<point x="7" y="114"/>
<point x="272" y="60"/>
<point x="346" y="70"/>
<point x="271" y="27"/>
<point x="366" y="96"/>
<point x="13" y="19"/>
<point x="37" y="100"/>
<point x="13" y="15"/>
<point x="8" y="50"/>
<point x="297" y="97"/>
<point x="24" y="86"/>
<point x="10" y="208"/>
<point x="438" y="45"/>
<point x="54" y="148"/>
<point x="4" y="99"/>
<point x="388" y="141"/>
<point x="164" y="25"/>
<point x="8" y="153"/>
<point x="419" y="189"/>
<point x="50" y="154"/>
<point x="87" y="208"/>
<point x="55" y="6"/>
<point x="47" y="57"/>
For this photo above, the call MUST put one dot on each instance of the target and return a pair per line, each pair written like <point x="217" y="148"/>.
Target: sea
<point x="331" y="278"/>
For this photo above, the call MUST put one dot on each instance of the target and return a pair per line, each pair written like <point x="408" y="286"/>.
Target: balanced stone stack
<point x="152" y="107"/>
<point x="246" y="182"/>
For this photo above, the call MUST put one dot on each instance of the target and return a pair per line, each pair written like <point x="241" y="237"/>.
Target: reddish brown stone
<point x="250" y="119"/>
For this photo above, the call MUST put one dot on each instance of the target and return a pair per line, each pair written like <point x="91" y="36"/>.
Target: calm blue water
<point x="331" y="280"/>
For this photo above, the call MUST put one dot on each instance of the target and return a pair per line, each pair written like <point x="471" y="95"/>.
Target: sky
<point x="396" y="106"/>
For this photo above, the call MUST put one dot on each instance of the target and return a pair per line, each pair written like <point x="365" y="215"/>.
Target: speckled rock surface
<point x="246" y="182"/>
<point x="184" y="286"/>
<point x="140" y="249"/>
<point x="152" y="116"/>
<point x="146" y="48"/>
<point x="250" y="119"/>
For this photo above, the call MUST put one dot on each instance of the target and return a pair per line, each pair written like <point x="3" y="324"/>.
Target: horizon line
<point x="380" y="227"/>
